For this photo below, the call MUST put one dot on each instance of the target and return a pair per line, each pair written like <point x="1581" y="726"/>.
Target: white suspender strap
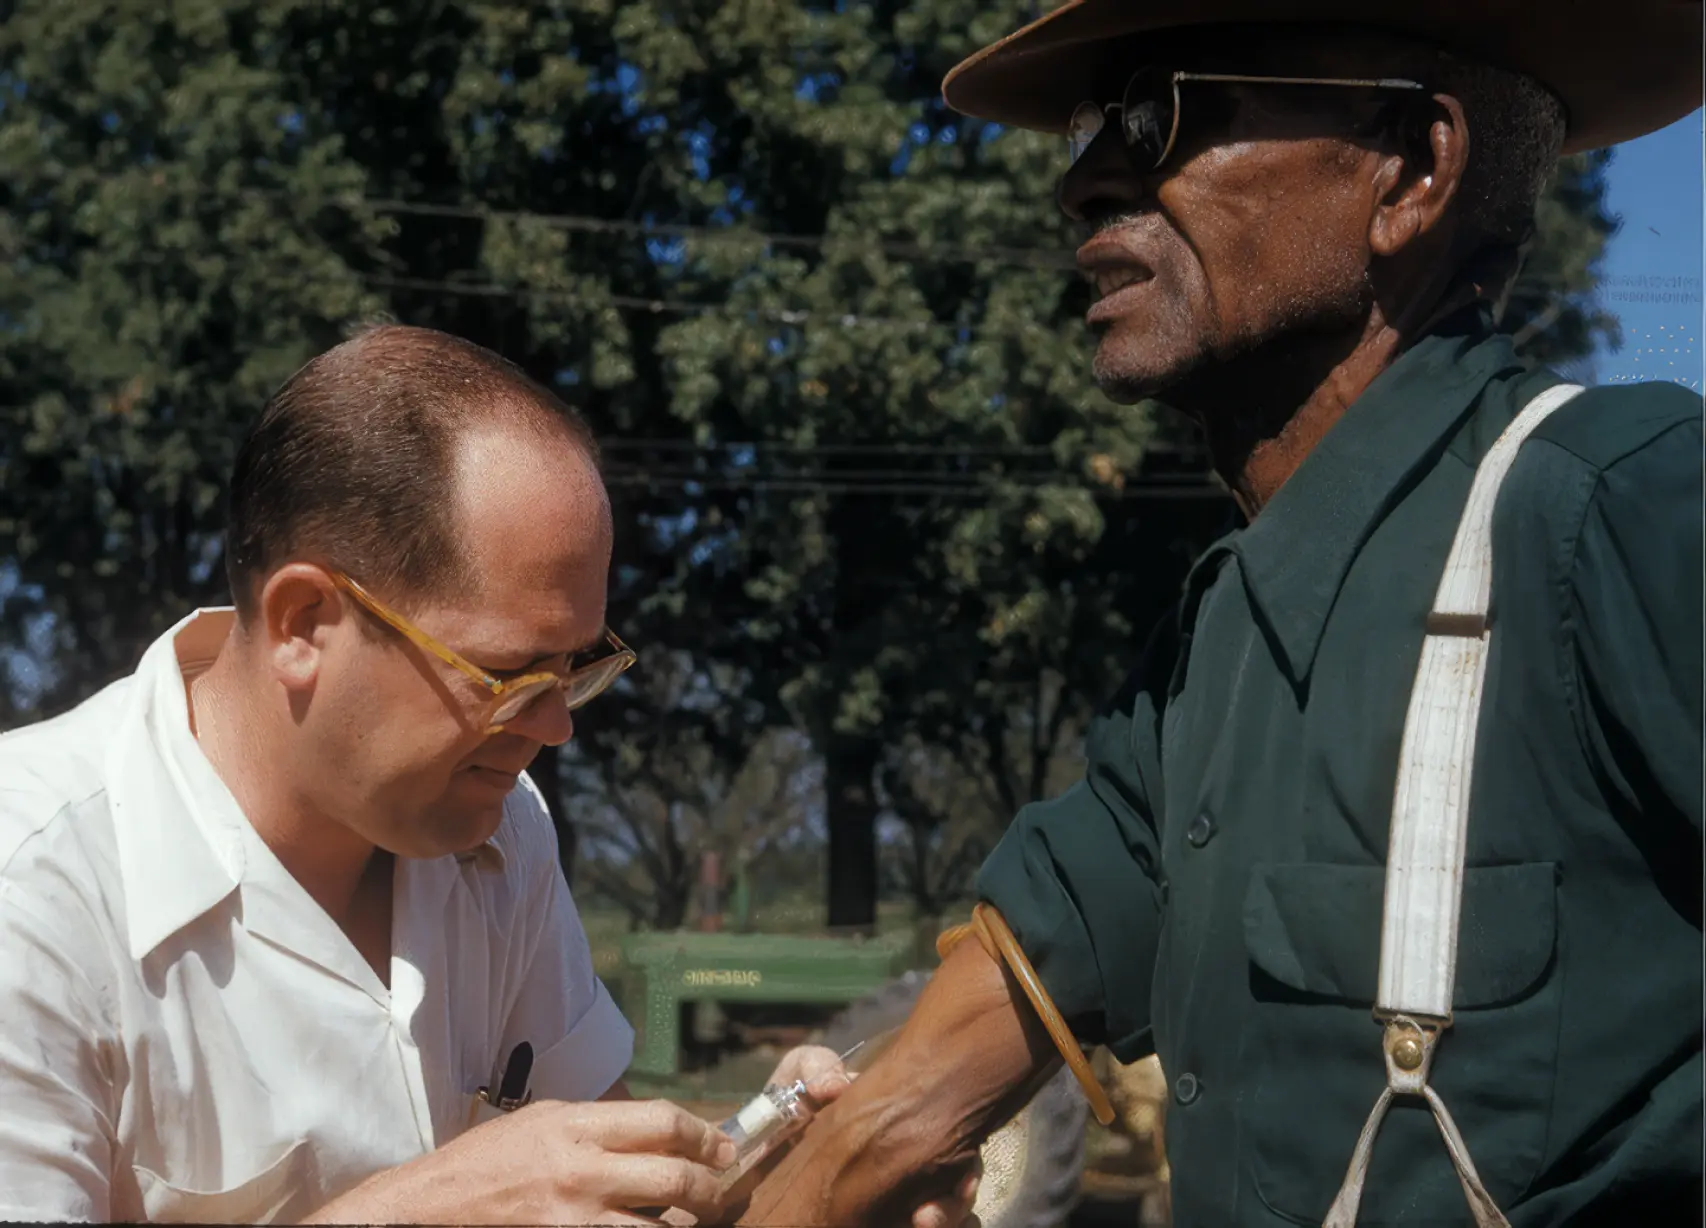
<point x="1430" y="814"/>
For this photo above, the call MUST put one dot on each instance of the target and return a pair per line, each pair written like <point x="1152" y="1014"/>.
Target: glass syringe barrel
<point x="764" y="1119"/>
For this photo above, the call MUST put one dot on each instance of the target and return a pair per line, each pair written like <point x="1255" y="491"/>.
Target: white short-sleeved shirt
<point x="186" y="1035"/>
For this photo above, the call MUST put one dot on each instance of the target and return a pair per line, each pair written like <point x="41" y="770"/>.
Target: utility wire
<point x="922" y="450"/>
<point x="984" y="480"/>
<point x="1023" y="257"/>
<point x="1058" y="259"/>
<point x="1182" y="490"/>
<point x="652" y="305"/>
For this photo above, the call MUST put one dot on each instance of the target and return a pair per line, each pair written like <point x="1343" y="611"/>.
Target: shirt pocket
<point x="277" y="1189"/>
<point x="1313" y="1066"/>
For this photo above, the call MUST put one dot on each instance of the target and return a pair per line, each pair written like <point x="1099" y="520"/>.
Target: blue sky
<point x="1652" y="270"/>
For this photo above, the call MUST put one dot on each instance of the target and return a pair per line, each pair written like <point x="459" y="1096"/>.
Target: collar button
<point x="1201" y="831"/>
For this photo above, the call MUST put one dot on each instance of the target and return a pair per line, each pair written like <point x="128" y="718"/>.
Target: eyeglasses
<point x="509" y="696"/>
<point x="1149" y="110"/>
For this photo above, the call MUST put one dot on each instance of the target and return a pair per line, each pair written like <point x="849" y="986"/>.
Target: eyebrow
<point x="570" y="654"/>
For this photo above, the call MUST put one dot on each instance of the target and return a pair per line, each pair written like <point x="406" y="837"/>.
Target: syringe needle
<point x="843" y="1058"/>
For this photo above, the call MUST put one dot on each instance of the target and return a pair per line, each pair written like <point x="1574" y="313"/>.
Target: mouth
<point x="1112" y="271"/>
<point x="497" y="778"/>
<point x="1115" y="280"/>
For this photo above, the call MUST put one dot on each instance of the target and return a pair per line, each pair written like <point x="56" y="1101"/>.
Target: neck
<point x="1264" y="414"/>
<point x="240" y="732"/>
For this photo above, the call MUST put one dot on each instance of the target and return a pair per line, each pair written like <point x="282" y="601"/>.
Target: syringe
<point x="766" y="1119"/>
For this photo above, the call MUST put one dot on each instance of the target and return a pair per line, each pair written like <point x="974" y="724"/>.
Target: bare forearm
<point x="968" y="1058"/>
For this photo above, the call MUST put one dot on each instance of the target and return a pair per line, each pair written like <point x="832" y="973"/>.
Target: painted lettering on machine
<point x="705" y="977"/>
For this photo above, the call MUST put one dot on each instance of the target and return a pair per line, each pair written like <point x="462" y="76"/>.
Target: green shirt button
<point x="1200" y="832"/>
<point x="1187" y="1088"/>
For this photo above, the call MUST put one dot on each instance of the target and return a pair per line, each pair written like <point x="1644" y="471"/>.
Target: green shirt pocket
<point x="1312" y="1066"/>
<point x="1316" y="929"/>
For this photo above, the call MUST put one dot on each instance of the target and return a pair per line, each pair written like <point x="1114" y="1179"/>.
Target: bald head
<point x="368" y="459"/>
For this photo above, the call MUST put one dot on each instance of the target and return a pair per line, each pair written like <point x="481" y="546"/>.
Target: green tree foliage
<point x="161" y="269"/>
<point x="861" y="478"/>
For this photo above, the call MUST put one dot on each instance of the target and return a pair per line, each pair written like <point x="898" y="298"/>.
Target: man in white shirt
<point x="276" y="907"/>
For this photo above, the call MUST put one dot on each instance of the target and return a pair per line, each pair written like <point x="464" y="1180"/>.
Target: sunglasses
<point x="589" y="672"/>
<point x="1149" y="109"/>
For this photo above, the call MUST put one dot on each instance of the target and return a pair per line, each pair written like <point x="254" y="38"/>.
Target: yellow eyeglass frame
<point x="509" y="696"/>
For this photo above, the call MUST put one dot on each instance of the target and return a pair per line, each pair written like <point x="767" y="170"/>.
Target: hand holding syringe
<point x="768" y="1119"/>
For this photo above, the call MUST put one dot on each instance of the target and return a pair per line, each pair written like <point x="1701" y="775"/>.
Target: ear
<point x="298" y="605"/>
<point x="1416" y="185"/>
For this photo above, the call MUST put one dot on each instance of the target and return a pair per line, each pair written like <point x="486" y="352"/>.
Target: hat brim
<point x="1621" y="70"/>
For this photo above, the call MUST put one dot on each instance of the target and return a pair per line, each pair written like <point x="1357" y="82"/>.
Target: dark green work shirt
<point x="1212" y="890"/>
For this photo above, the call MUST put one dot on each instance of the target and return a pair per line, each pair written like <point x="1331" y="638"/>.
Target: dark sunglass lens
<point x="1148" y="114"/>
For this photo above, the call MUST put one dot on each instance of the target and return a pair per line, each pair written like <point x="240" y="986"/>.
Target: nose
<point x="546" y="720"/>
<point x="1102" y="182"/>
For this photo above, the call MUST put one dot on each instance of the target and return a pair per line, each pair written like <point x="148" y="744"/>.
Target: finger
<point x="955" y="1211"/>
<point x="628" y="1181"/>
<point x="945" y="1215"/>
<point x="828" y="1088"/>
<point x="931" y="1215"/>
<point x="808" y="1064"/>
<point x="655" y="1127"/>
<point x="952" y="1212"/>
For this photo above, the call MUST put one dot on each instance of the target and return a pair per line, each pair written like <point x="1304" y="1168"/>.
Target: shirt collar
<point x="177" y="828"/>
<point x="184" y="845"/>
<point x="1295" y="555"/>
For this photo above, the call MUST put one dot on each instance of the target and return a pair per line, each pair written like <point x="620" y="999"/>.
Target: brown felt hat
<point x="1622" y="68"/>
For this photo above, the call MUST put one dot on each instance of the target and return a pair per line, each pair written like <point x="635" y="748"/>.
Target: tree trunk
<point x="851" y="813"/>
<point x="543" y="770"/>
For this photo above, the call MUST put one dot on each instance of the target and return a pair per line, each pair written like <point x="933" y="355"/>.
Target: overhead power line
<point x="490" y="290"/>
<point x="985" y="479"/>
<point x="887" y="448"/>
<point x="1023" y="257"/>
<point x="939" y="490"/>
<point x="655" y="306"/>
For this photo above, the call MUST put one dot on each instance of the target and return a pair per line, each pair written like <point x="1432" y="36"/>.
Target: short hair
<point x="1516" y="130"/>
<point x="351" y="461"/>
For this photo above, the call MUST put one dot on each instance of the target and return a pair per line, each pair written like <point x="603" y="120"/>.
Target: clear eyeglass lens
<point x="515" y="702"/>
<point x="584" y="684"/>
<point x="1084" y="127"/>
<point x="588" y="683"/>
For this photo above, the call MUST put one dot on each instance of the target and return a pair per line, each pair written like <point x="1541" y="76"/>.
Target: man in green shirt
<point x="1307" y="268"/>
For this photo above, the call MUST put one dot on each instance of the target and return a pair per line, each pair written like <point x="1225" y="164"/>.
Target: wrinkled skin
<point x="1283" y="256"/>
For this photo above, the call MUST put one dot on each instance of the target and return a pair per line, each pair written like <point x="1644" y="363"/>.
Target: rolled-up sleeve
<point x="581" y="1040"/>
<point x="1636" y="617"/>
<point x="1077" y="877"/>
<point x="58" y="1093"/>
